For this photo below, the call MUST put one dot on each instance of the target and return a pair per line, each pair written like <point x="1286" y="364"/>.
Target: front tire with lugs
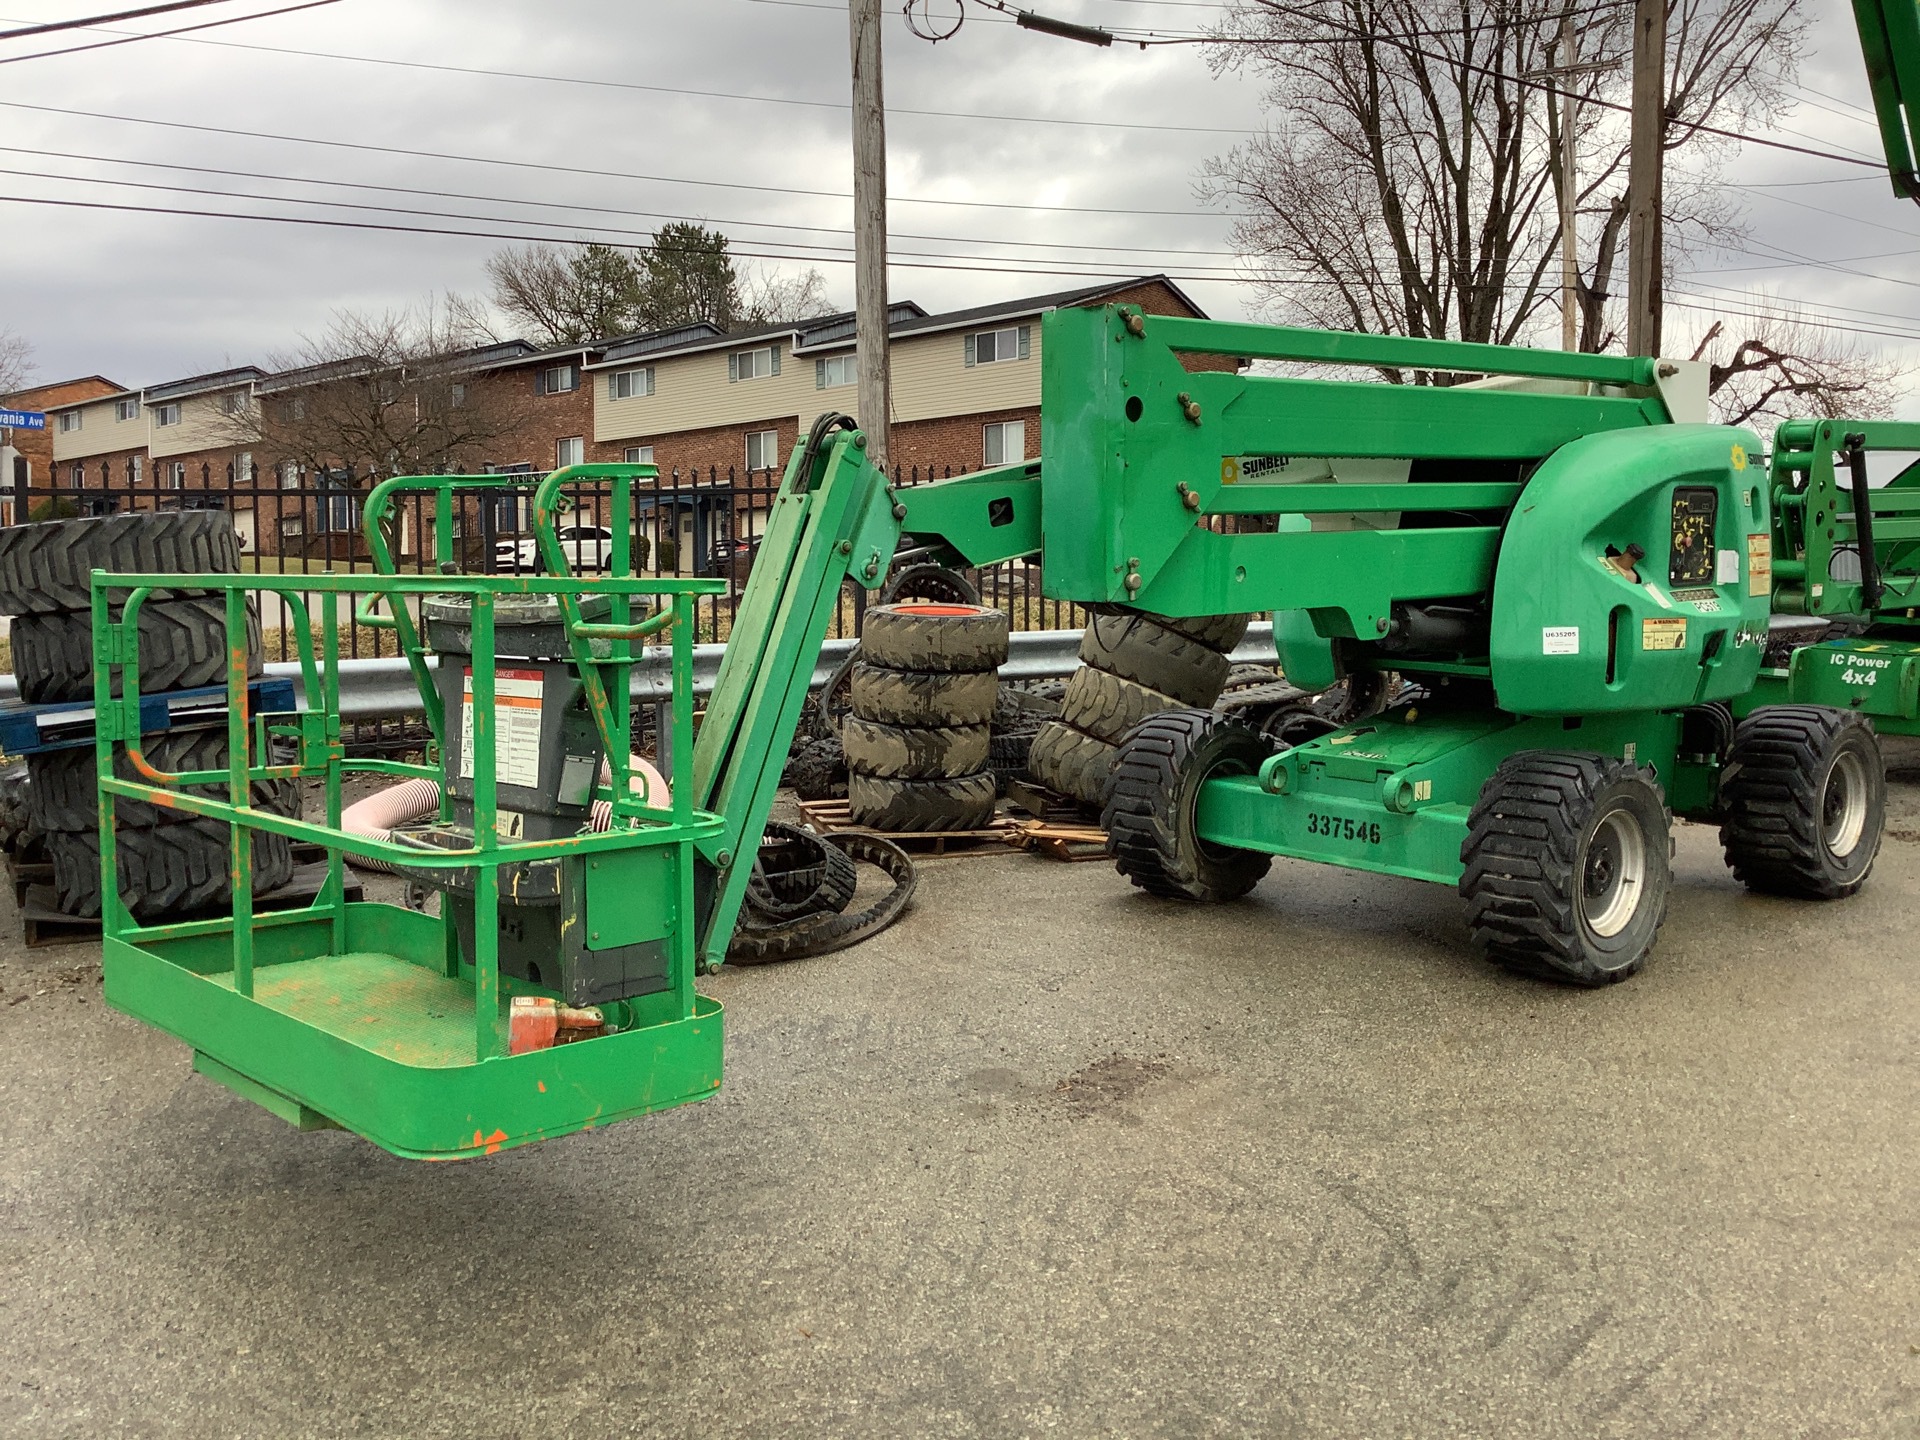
<point x="1152" y="796"/>
<point x="1569" y="863"/>
<point x="1803" y="801"/>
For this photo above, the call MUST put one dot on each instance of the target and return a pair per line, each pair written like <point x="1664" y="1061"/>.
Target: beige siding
<point x="692" y="392"/>
<point x="931" y="377"/>
<point x="204" y="425"/>
<point x="99" y="433"/>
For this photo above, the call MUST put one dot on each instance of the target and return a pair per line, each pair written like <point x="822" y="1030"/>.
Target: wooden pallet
<point x="1060" y="840"/>
<point x="832" y="817"/>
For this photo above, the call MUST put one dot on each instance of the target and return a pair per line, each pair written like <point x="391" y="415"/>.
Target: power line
<point x="582" y="170"/>
<point x="165" y="34"/>
<point x="92" y="20"/>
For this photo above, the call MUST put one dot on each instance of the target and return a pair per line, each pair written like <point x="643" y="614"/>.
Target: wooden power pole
<point x="1648" y="145"/>
<point x="1569" y="212"/>
<point x="870" y="226"/>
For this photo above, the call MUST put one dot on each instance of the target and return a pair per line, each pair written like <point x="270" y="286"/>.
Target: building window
<point x="134" y="471"/>
<point x="836" y="370"/>
<point x="630" y="384"/>
<point x="457" y="396"/>
<point x="176" y="471"/>
<point x="556" y="380"/>
<point x="294" y="409"/>
<point x="763" y="449"/>
<point x="237" y="403"/>
<point x="289" y="476"/>
<point x="126" y="409"/>
<point x="78" y="475"/>
<point x="166" y="414"/>
<point x="754" y="364"/>
<point x="639" y="455"/>
<point x="1004" y="443"/>
<point x="69" y="421"/>
<point x="993" y="347"/>
<point x="570" y="451"/>
<point x="243" y="469"/>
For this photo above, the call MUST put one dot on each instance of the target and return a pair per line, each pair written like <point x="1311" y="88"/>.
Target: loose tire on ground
<point x="1108" y="706"/>
<point x="909" y="697"/>
<point x="915" y="752"/>
<point x="817" y="770"/>
<point x="796" y="873"/>
<point x="1569" y="863"/>
<point x="1803" y="800"/>
<point x="1140" y="649"/>
<point x="944" y="639"/>
<point x="1071" y="762"/>
<point x="64" y="794"/>
<point x="1149" y="815"/>
<point x="1217" y="632"/>
<point x="45" y="568"/>
<point x="169" y="872"/>
<point x="909" y="806"/>
<point x="183" y="644"/>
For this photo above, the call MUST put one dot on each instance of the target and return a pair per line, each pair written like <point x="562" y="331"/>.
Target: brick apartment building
<point x="35" y="447"/>
<point x="716" y="412"/>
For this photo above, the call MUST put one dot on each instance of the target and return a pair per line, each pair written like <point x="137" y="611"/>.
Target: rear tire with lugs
<point x="183" y="645"/>
<point x="923" y="635"/>
<point x="908" y="806"/>
<point x="47" y="567"/>
<point x="1071" y="762"/>
<point x="911" y="697"/>
<point x="915" y="752"/>
<point x="1803" y="801"/>
<point x="1151" y="803"/>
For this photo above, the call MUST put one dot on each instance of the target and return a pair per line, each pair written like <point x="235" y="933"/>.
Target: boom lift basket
<point x="375" y="1018"/>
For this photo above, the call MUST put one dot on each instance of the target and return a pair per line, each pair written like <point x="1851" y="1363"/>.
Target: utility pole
<point x="1644" y="250"/>
<point x="1569" y="239"/>
<point x="870" y="227"/>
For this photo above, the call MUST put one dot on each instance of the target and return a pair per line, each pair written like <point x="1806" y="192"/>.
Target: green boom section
<point x="1890" y="43"/>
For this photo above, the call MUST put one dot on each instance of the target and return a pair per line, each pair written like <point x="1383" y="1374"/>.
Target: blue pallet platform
<point x="66" y="725"/>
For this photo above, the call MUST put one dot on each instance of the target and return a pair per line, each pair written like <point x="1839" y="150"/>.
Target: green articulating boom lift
<point x="1572" y="572"/>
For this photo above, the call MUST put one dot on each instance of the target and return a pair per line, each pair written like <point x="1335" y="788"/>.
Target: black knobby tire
<point x="1008" y="754"/>
<point x="943" y="639"/>
<point x="911" y="697"/>
<point x="1071" y="762"/>
<point x="1803" y="801"/>
<point x="183" y="644"/>
<point x="64" y="794"/>
<point x="915" y="752"/>
<point x="1142" y="650"/>
<point x="796" y="873"/>
<point x="1151" y="799"/>
<point x="1220" y="633"/>
<point x="929" y="582"/>
<point x="817" y="770"/>
<point x="964" y="802"/>
<point x="1250" y="677"/>
<point x="1108" y="706"/>
<point x="828" y="710"/>
<point x="45" y="568"/>
<point x="16" y="809"/>
<point x="171" y="872"/>
<point x="1569" y="865"/>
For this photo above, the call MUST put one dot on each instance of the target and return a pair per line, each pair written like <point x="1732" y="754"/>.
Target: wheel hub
<point x="1843" y="806"/>
<point x="1614" y="875"/>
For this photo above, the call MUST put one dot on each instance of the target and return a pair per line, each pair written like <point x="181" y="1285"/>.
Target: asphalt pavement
<point x="1046" y="1158"/>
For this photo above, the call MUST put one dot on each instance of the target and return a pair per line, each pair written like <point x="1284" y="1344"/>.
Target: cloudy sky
<point x="1032" y="160"/>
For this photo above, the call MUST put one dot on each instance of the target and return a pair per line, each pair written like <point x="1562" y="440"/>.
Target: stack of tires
<point x="918" y="740"/>
<point x="171" y="864"/>
<point x="1133" y="664"/>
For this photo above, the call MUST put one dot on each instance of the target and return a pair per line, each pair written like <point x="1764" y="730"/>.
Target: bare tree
<point x="16" y="361"/>
<point x="768" y="296"/>
<point x="567" y="295"/>
<point x="1763" y="369"/>
<point x="1407" y="182"/>
<point x="389" y="394"/>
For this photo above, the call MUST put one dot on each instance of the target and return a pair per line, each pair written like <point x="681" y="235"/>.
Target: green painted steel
<point x="1890" y="40"/>
<point x="1814" y="524"/>
<point x="1579" y="629"/>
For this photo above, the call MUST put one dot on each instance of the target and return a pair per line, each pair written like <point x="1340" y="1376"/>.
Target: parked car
<point x="587" y="548"/>
<point x="733" y="557"/>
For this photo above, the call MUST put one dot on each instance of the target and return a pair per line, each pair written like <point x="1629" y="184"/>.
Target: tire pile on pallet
<point x="170" y="864"/>
<point x="918" y="739"/>
<point x="1133" y="665"/>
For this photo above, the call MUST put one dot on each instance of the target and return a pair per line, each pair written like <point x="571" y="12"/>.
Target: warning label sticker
<point x="516" y="711"/>
<point x="1663" y="632"/>
<point x="1759" y="564"/>
<point x="1560" y="640"/>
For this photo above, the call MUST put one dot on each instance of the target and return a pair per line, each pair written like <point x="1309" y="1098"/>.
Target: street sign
<point x="23" y="419"/>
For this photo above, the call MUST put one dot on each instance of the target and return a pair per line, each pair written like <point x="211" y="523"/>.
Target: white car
<point x="588" y="548"/>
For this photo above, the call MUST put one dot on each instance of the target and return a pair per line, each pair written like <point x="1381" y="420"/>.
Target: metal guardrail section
<point x="384" y="689"/>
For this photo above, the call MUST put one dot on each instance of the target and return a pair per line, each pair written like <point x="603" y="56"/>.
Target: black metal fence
<point x="698" y="522"/>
